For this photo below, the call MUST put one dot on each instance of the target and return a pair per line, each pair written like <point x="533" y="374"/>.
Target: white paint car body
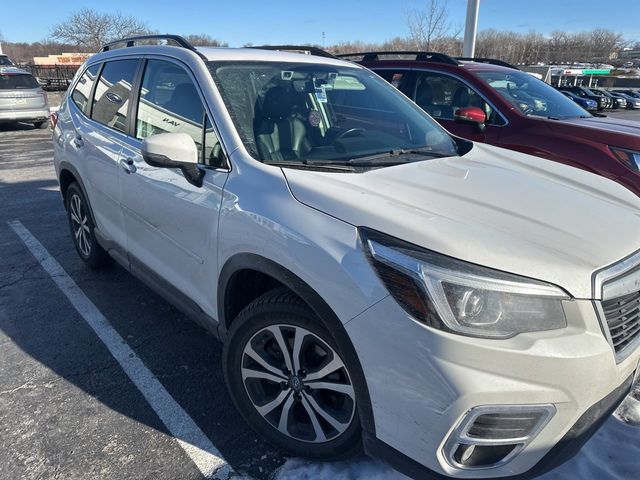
<point x="491" y="207"/>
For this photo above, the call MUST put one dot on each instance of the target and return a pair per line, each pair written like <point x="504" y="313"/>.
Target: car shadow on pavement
<point x="38" y="319"/>
<point x="16" y="126"/>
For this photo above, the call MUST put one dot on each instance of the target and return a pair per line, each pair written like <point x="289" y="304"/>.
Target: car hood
<point x="493" y="207"/>
<point x="605" y="126"/>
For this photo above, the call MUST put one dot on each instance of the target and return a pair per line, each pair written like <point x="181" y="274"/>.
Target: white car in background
<point x="22" y="99"/>
<point x="459" y="309"/>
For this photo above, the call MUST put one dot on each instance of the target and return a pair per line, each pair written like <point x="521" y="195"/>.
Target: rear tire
<point x="82" y="229"/>
<point x="41" y="125"/>
<point x="302" y="400"/>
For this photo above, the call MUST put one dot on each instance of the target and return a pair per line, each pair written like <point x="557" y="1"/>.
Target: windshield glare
<point x="532" y="96"/>
<point x="312" y="113"/>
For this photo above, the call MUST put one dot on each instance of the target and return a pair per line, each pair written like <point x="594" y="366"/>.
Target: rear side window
<point x="14" y="81"/>
<point x="113" y="94"/>
<point x="82" y="90"/>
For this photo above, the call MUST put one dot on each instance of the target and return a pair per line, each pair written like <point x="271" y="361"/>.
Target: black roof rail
<point x="131" y="41"/>
<point x="420" y="56"/>
<point x="491" y="61"/>
<point x="318" y="52"/>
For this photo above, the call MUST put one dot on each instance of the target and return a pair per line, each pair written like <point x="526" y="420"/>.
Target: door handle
<point x="127" y="165"/>
<point x="78" y="142"/>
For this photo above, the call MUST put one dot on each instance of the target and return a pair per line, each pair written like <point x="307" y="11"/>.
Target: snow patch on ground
<point x="613" y="453"/>
<point x="629" y="411"/>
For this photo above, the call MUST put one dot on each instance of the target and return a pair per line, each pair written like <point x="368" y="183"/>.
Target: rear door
<point x="101" y="140"/>
<point x="171" y="224"/>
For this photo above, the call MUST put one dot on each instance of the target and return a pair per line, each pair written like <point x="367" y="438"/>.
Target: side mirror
<point x="173" y="150"/>
<point x="472" y="115"/>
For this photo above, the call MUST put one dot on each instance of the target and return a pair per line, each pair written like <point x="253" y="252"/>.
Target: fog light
<point x="490" y="436"/>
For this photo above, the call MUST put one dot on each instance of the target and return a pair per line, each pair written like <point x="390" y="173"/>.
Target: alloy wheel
<point x="298" y="383"/>
<point x="80" y="225"/>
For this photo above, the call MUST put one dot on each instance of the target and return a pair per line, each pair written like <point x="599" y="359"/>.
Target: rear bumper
<point x="565" y="449"/>
<point x="37" y="115"/>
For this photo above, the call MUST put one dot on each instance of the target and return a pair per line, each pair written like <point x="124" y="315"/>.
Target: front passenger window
<point x="170" y="103"/>
<point x="441" y="95"/>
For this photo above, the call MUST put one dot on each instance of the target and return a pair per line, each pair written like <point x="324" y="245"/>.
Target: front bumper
<point x="37" y="115"/>
<point x="422" y="383"/>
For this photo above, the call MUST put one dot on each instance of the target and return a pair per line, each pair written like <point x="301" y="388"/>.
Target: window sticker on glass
<point x="321" y="94"/>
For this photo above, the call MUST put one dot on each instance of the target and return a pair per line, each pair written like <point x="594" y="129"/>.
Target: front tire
<point x="82" y="229"/>
<point x="288" y="380"/>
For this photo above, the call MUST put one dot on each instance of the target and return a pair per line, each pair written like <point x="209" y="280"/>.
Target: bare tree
<point x="90" y="29"/>
<point x="204" y="40"/>
<point x="430" y="24"/>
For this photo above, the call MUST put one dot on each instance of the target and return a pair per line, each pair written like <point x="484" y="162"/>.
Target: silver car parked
<point x="21" y="98"/>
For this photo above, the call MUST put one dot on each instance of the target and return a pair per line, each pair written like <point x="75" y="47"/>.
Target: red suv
<point x="490" y="101"/>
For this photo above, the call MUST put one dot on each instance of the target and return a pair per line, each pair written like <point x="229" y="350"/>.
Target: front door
<point x="440" y="95"/>
<point x="171" y="224"/>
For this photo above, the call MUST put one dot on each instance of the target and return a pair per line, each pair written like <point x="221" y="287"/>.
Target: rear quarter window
<point x="18" y="81"/>
<point x="82" y="90"/>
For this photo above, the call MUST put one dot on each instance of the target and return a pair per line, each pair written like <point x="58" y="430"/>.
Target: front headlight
<point x="461" y="297"/>
<point x="630" y="158"/>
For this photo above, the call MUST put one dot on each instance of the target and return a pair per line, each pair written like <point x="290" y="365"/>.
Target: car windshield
<point x="4" y="60"/>
<point x="312" y="114"/>
<point x="532" y="96"/>
<point x="20" y="81"/>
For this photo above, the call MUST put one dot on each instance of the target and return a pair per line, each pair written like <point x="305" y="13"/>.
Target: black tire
<point x="282" y="309"/>
<point x="82" y="226"/>
<point x="41" y="125"/>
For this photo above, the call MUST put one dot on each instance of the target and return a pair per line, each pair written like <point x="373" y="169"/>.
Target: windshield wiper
<point x="387" y="156"/>
<point x="310" y="164"/>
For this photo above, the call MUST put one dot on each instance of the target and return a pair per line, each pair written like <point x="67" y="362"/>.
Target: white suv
<point x="458" y="309"/>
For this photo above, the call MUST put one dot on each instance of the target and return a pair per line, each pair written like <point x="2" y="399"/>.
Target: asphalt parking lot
<point x="68" y="410"/>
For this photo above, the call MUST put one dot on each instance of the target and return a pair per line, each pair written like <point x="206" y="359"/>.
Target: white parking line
<point x="188" y="435"/>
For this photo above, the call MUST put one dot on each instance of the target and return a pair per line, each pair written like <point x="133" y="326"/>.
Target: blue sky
<point x="287" y="21"/>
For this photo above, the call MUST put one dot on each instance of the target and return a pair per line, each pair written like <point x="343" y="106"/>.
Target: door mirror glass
<point x="174" y="150"/>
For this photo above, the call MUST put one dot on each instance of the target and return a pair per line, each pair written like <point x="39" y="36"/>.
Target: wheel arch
<point x="280" y="276"/>
<point x="69" y="174"/>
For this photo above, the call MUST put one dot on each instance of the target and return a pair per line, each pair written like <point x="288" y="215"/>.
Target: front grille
<point x="623" y="319"/>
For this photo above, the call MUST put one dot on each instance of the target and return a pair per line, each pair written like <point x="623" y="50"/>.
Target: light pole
<point x="469" y="47"/>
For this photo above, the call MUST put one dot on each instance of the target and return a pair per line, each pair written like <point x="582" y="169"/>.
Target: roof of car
<point x="259" y="54"/>
<point x="465" y="64"/>
<point x="479" y="66"/>
<point x="9" y="70"/>
<point x="227" y="54"/>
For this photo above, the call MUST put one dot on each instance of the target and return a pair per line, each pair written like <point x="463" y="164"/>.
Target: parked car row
<point x="491" y="102"/>
<point x="377" y="281"/>
<point x="603" y="98"/>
